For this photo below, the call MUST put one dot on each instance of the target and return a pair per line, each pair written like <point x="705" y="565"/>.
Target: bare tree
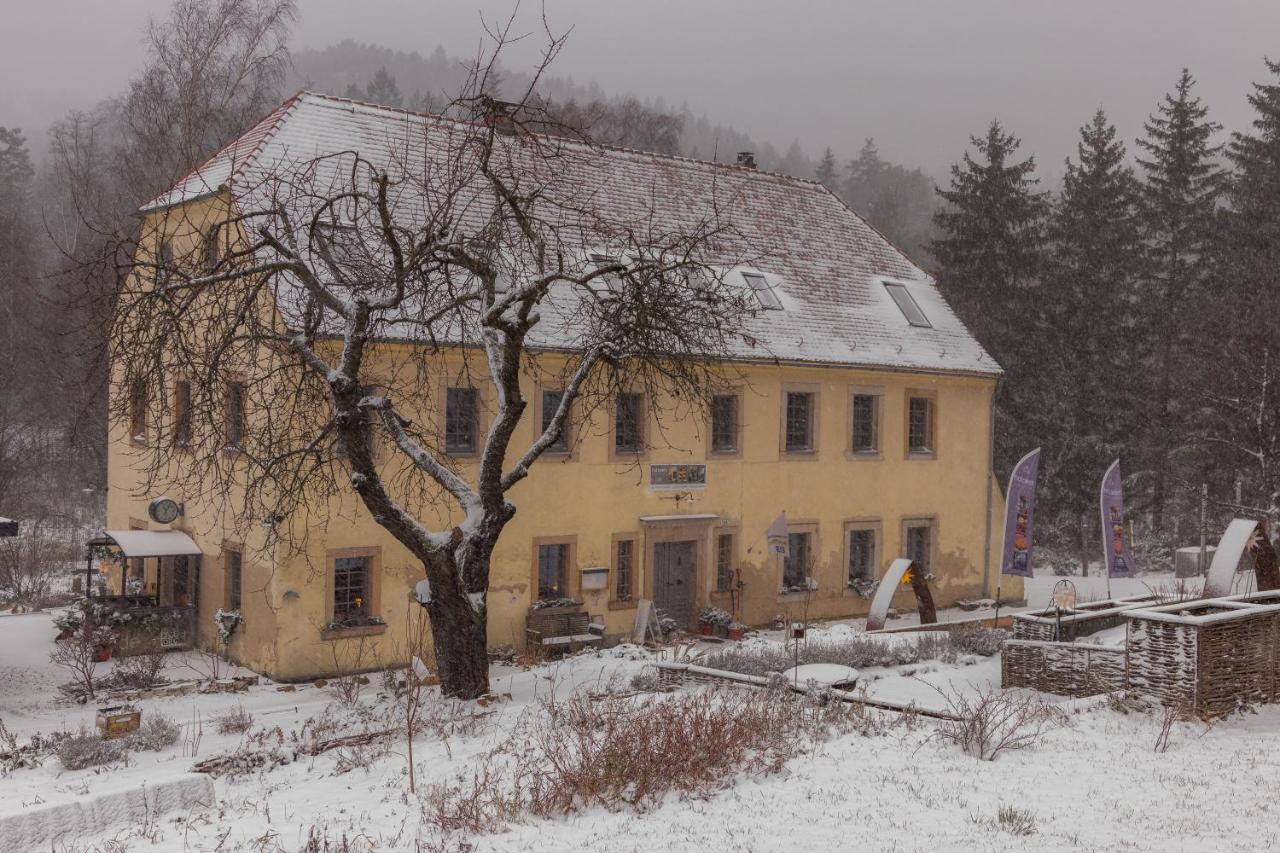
<point x="211" y="68"/>
<point x="343" y="286"/>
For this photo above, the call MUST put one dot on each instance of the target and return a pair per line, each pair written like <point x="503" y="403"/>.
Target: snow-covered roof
<point x="830" y="262"/>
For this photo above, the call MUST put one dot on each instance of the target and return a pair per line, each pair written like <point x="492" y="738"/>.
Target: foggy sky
<point x="919" y="75"/>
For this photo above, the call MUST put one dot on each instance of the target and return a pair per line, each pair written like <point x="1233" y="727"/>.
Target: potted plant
<point x="737" y="630"/>
<point x="713" y="620"/>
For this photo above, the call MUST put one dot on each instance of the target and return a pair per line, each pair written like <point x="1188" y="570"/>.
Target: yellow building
<point x="859" y="407"/>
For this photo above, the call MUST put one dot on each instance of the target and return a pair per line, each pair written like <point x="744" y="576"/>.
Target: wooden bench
<point x="560" y="629"/>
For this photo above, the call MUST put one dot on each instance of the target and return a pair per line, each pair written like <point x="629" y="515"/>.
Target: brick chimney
<point x="500" y="115"/>
<point x="747" y="159"/>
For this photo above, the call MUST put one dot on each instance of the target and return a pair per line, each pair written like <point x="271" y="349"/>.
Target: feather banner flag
<point x="1019" y="515"/>
<point x="1115" y="543"/>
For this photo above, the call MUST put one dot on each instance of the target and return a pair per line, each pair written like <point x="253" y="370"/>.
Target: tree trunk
<point x="460" y="638"/>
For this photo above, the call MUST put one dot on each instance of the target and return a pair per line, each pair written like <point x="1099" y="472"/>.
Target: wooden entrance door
<point x="673" y="580"/>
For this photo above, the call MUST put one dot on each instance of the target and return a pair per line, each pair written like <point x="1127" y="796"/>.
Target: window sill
<point x="799" y="595"/>
<point x="921" y="454"/>
<point x="798" y="455"/>
<point x="865" y="455"/>
<point x="622" y="605"/>
<point x="354" y="631"/>
<point x="724" y="454"/>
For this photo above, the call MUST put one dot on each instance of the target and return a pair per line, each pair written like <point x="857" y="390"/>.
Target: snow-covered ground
<point x="1098" y="783"/>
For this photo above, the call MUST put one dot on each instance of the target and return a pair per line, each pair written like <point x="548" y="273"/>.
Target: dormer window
<point x="907" y="305"/>
<point x="764" y="293"/>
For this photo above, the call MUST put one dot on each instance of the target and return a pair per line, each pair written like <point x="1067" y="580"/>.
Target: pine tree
<point x="794" y="162"/>
<point x="989" y="253"/>
<point x="865" y="178"/>
<point x="827" y="172"/>
<point x="1088" y="358"/>
<point x="1239" y="331"/>
<point x="1179" y="194"/>
<point x="383" y="89"/>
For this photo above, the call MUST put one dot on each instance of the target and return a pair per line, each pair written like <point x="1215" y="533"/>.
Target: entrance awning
<point x="150" y="543"/>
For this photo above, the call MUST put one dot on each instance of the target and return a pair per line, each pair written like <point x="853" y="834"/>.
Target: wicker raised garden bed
<point x="1208" y="657"/>
<point x="1053" y="625"/>
<point x="1067" y="669"/>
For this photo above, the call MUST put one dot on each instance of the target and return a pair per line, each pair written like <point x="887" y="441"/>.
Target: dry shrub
<point x="31" y="562"/>
<point x="976" y="640"/>
<point x="858" y="652"/>
<point x="156" y="732"/>
<point x="86" y="749"/>
<point x="78" y="656"/>
<point x="995" y="721"/>
<point x="138" y="672"/>
<point x="236" y="721"/>
<point x="18" y="756"/>
<point x="628" y="752"/>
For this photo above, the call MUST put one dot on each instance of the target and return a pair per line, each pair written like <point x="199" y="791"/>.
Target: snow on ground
<point x="1096" y="784"/>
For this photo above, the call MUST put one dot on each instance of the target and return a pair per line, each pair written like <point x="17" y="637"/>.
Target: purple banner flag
<point x="1019" y="513"/>
<point x="1115" y="542"/>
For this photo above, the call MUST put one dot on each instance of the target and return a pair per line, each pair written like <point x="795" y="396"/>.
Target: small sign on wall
<point x="677" y="477"/>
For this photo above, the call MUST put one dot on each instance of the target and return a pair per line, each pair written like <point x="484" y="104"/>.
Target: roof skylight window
<point x="907" y="305"/>
<point x="760" y="286"/>
<point x="609" y="284"/>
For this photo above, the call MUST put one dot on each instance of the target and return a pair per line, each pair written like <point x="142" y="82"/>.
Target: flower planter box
<point x="117" y="721"/>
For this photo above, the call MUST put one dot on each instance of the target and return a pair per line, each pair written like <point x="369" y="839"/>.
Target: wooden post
<point x="1204" y="527"/>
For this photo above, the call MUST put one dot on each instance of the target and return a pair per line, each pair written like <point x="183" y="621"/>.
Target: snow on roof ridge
<point x="605" y="146"/>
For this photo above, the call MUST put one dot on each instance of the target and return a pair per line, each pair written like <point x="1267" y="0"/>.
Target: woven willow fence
<point x="1067" y="669"/>
<point x="1208" y="657"/>
<point x="1065" y="625"/>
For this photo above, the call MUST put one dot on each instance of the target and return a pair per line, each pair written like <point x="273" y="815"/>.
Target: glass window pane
<point x="234" y="580"/>
<point x="551" y="403"/>
<point x="460" y="420"/>
<point x="628" y="433"/>
<point x="182" y="414"/>
<point x="764" y="293"/>
<point x="724" y="423"/>
<point x="724" y="562"/>
<point x="624" y="568"/>
<point x="235" y="414"/>
<point x="799" y="421"/>
<point x="795" y="568"/>
<point x="919" y="428"/>
<point x="350" y="590"/>
<point x="553" y="570"/>
<point x="907" y="305"/>
<point x="864" y="423"/>
<point x="862" y="544"/>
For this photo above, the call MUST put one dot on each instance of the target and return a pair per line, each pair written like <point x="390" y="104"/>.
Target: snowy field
<point x="1096" y="783"/>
